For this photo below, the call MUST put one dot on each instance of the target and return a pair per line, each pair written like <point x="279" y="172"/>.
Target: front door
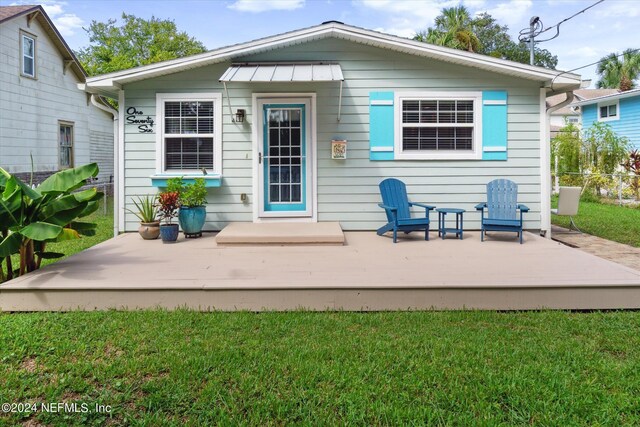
<point x="284" y="158"/>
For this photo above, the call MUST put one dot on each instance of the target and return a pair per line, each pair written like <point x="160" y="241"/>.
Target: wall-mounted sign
<point x="338" y="149"/>
<point x="137" y="118"/>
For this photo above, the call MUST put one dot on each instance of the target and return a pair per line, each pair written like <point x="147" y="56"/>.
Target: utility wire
<point x="528" y="33"/>
<point x="592" y="64"/>
<point x="571" y="17"/>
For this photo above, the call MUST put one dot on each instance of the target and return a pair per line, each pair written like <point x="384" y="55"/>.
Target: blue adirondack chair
<point x="502" y="208"/>
<point x="396" y="205"/>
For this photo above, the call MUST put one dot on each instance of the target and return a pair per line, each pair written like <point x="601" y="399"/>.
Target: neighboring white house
<point x="260" y="118"/>
<point x="43" y="114"/>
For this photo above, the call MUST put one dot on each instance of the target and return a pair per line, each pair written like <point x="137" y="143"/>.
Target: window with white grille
<point x="28" y="49"/>
<point x="437" y="126"/>
<point x="190" y="133"/>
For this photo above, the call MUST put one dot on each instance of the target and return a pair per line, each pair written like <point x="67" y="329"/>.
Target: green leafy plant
<point x="175" y="185"/>
<point x="32" y="217"/>
<point x="194" y="194"/>
<point x="147" y="209"/>
<point x="169" y="202"/>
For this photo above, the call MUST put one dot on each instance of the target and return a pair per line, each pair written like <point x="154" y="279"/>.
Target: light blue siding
<point x="627" y="125"/>
<point x="348" y="189"/>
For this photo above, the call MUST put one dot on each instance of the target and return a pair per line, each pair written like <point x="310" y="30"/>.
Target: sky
<point x="610" y="26"/>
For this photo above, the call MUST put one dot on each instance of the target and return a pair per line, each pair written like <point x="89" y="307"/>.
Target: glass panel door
<point x="284" y="157"/>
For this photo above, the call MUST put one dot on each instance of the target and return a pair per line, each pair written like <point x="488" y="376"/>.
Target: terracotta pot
<point x="149" y="230"/>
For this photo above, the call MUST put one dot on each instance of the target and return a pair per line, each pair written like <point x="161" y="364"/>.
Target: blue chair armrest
<point x="481" y="206"/>
<point x="427" y="207"/>
<point x="390" y="208"/>
<point x="523" y="208"/>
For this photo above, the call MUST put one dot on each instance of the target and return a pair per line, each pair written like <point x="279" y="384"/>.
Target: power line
<point x="536" y="27"/>
<point x="557" y="26"/>
<point x="626" y="52"/>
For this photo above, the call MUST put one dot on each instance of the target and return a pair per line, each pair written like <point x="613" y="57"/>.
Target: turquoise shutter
<point x="494" y="125"/>
<point x="381" y="126"/>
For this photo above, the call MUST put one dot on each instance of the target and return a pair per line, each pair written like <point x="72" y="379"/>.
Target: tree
<point x="135" y="42"/>
<point x="456" y="29"/>
<point x="619" y="71"/>
<point x="598" y="152"/>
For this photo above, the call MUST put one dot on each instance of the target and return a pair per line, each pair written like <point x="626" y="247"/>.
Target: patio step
<point x="281" y="233"/>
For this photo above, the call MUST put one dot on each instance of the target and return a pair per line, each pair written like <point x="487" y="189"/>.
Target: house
<point x="571" y="114"/>
<point x="620" y="110"/>
<point x="260" y="118"/>
<point x="43" y="114"/>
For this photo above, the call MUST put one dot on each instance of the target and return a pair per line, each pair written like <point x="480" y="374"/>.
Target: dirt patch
<point x="30" y="365"/>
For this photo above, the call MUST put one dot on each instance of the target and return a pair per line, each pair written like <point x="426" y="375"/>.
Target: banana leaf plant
<point x="32" y="217"/>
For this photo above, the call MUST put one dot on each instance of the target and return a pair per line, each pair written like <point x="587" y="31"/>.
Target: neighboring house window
<point x="65" y="144"/>
<point x="572" y="120"/>
<point x="608" y="112"/>
<point x="435" y="125"/>
<point x="190" y="132"/>
<point x="28" y="49"/>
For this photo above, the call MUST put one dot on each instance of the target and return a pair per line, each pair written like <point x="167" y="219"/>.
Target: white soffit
<point x="283" y="72"/>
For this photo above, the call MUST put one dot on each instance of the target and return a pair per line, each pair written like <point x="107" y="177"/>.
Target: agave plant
<point x="32" y="217"/>
<point x="147" y="209"/>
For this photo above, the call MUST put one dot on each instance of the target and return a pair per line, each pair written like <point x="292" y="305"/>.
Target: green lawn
<point x="70" y="247"/>
<point x="613" y="222"/>
<point x="455" y="368"/>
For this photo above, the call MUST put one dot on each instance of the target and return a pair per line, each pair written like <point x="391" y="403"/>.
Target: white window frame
<point x="217" y="131"/>
<point x="474" y="154"/>
<point x="66" y="123"/>
<point x="24" y="35"/>
<point x="609" y="104"/>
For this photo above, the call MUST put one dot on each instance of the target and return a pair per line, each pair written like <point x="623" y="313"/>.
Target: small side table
<point x="442" y="229"/>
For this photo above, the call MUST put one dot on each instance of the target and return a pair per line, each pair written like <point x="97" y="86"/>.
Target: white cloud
<point x="514" y="13"/>
<point x="612" y="8"/>
<point x="406" y="17"/>
<point x="257" y="6"/>
<point x="66" y="23"/>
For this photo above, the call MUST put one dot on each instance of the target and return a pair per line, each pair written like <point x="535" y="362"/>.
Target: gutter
<point x="116" y="178"/>
<point x="546" y="167"/>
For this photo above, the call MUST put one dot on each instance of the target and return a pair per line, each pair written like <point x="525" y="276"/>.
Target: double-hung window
<point x="190" y="133"/>
<point x="65" y="145"/>
<point x="28" y="53"/>
<point x="438" y="125"/>
<point x="608" y="112"/>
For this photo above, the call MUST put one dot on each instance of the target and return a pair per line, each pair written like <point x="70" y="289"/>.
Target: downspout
<point x="116" y="178"/>
<point x="546" y="167"/>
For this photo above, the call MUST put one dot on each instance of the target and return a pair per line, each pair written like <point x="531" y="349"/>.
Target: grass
<point x="421" y="368"/>
<point x="70" y="247"/>
<point x="612" y="222"/>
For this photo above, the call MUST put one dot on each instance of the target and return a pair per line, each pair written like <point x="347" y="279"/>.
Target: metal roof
<point x="283" y="72"/>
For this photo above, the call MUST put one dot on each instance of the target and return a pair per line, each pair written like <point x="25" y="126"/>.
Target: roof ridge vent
<point x="333" y="22"/>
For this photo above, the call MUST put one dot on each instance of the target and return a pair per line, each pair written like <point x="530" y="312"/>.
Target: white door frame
<point x="259" y="99"/>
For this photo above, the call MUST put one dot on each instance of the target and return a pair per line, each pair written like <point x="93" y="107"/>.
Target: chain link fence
<point x="106" y="187"/>
<point x="622" y="188"/>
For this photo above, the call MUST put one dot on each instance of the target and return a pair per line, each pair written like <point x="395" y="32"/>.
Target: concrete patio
<point x="367" y="273"/>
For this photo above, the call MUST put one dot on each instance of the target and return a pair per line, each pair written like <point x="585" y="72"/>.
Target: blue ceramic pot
<point x="169" y="233"/>
<point x="192" y="219"/>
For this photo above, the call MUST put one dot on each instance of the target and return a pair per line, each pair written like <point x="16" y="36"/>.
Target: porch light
<point x="240" y="116"/>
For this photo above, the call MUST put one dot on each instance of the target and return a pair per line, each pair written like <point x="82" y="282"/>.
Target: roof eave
<point x="562" y="80"/>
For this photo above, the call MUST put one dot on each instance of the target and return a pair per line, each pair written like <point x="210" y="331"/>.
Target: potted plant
<point x="147" y="213"/>
<point x="192" y="214"/>
<point x="168" y="202"/>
